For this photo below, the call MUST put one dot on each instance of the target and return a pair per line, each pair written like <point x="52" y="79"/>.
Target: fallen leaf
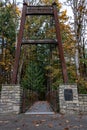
<point x="23" y="125"/>
<point x="16" y="120"/>
<point x="60" y="123"/>
<point x="50" y="125"/>
<point x="67" y="121"/>
<point x="1" y="121"/>
<point x="81" y="125"/>
<point x="43" y="120"/>
<point x="18" y="128"/>
<point x="37" y="125"/>
<point x="54" y="118"/>
<point x="37" y="115"/>
<point x="66" y="128"/>
<point x="6" y="121"/>
<point x="62" y="116"/>
<point x="70" y="126"/>
<point x="75" y="126"/>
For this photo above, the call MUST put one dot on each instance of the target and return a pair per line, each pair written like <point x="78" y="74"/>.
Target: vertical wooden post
<point x="60" y="48"/>
<point x="17" y="54"/>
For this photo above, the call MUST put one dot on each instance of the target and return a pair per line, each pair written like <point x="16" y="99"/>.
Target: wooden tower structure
<point x="39" y="10"/>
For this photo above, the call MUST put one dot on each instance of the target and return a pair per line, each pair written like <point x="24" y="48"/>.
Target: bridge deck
<point x="40" y="107"/>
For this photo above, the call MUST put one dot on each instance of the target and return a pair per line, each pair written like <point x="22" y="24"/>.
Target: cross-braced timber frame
<point x="39" y="10"/>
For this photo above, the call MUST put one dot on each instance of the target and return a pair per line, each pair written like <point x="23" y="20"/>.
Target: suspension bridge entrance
<point x="11" y="94"/>
<point x="39" y="10"/>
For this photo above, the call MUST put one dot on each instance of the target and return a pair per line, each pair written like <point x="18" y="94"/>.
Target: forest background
<point x="39" y="67"/>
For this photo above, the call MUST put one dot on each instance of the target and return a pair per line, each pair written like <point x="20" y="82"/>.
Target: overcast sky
<point x="69" y="11"/>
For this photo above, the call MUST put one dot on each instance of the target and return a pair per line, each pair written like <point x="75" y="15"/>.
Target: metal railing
<point x="28" y="98"/>
<point x="53" y="98"/>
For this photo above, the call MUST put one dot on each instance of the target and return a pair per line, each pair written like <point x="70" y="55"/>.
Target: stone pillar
<point x="83" y="103"/>
<point x="10" y="101"/>
<point x="68" y="99"/>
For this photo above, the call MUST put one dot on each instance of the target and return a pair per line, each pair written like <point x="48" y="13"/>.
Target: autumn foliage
<point x="45" y="56"/>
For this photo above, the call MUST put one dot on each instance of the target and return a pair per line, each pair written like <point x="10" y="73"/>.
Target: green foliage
<point x="8" y="28"/>
<point x="82" y="85"/>
<point x="34" y="78"/>
<point x="82" y="89"/>
<point x="8" y="23"/>
<point x="42" y="27"/>
<point x="41" y="62"/>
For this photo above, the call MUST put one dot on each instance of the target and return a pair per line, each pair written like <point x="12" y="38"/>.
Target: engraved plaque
<point x="68" y="95"/>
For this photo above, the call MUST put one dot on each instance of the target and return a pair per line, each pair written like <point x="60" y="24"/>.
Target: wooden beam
<point x="18" y="49"/>
<point x="39" y="10"/>
<point x="60" y="47"/>
<point x="47" y="41"/>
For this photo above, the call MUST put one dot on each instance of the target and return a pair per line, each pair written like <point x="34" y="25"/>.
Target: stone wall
<point x="83" y="103"/>
<point x="68" y="102"/>
<point x="10" y="101"/>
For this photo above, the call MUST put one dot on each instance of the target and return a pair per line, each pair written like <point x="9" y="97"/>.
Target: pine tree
<point x="34" y="78"/>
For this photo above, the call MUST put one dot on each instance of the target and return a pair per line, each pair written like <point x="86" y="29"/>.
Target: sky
<point x="68" y="8"/>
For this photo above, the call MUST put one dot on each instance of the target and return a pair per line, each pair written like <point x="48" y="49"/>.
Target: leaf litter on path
<point x="50" y="125"/>
<point x="38" y="122"/>
<point x="66" y="128"/>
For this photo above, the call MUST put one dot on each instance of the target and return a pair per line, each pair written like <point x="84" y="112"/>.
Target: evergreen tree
<point x="34" y="78"/>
